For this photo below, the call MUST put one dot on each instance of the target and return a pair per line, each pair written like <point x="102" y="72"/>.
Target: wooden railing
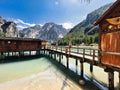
<point x="88" y="51"/>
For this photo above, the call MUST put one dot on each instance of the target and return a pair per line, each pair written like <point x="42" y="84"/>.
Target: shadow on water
<point x="12" y="59"/>
<point x="65" y="84"/>
<point x="73" y="76"/>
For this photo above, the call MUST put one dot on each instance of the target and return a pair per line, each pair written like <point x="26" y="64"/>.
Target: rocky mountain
<point x="87" y="24"/>
<point x="8" y="28"/>
<point x="50" y="32"/>
<point x="85" y="31"/>
<point x="31" y="32"/>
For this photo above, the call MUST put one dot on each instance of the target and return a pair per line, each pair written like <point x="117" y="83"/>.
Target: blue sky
<point x="69" y="12"/>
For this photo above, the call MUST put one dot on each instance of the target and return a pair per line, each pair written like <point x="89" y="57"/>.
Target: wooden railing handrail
<point x="92" y="51"/>
<point x="112" y="53"/>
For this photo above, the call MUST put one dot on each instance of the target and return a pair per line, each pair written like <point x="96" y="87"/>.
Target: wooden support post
<point x="11" y="53"/>
<point x="51" y="54"/>
<point x="37" y="52"/>
<point x="54" y="55"/>
<point x="76" y="62"/>
<point x="76" y="70"/>
<point x="67" y="58"/>
<point x="29" y="52"/>
<point x="18" y="53"/>
<point x="59" y="58"/>
<point x="82" y="68"/>
<point x="2" y="53"/>
<point x="23" y="53"/>
<point x="44" y="51"/>
<point x="91" y="67"/>
<point x="91" y="64"/>
<point x="62" y="56"/>
<point x="8" y="54"/>
<point x="111" y="80"/>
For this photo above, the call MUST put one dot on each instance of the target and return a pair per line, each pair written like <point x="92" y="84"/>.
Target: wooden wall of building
<point x="110" y="47"/>
<point x="19" y="45"/>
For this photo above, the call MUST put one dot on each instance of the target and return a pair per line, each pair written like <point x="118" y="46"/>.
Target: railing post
<point x="92" y="62"/>
<point x="90" y="52"/>
<point x="93" y="55"/>
<point x="69" y="50"/>
<point x="83" y="54"/>
<point x="77" y="49"/>
<point x="67" y="57"/>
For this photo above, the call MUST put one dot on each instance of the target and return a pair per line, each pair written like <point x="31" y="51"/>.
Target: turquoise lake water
<point x="15" y="70"/>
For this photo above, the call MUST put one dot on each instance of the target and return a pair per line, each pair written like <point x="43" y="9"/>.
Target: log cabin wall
<point x="9" y="45"/>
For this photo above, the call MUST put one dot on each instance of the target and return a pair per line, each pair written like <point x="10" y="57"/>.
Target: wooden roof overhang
<point x="113" y="11"/>
<point x="19" y="39"/>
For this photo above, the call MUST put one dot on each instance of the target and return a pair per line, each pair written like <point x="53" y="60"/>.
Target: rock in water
<point x="82" y="82"/>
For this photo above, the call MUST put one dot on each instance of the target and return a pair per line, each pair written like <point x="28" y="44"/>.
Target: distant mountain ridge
<point x="90" y="19"/>
<point x="8" y="28"/>
<point x="49" y="31"/>
<point x="85" y="31"/>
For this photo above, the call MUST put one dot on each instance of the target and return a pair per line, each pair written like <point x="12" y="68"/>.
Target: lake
<point x="43" y="68"/>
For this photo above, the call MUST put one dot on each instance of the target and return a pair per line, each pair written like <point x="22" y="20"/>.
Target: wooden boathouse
<point x="107" y="56"/>
<point x="109" y="36"/>
<point x="109" y="40"/>
<point x="18" y="46"/>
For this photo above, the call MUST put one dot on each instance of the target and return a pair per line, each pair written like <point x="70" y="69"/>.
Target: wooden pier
<point x="106" y="56"/>
<point x="83" y="54"/>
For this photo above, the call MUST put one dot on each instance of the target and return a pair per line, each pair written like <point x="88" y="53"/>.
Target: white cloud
<point x="19" y="21"/>
<point x="20" y="27"/>
<point x="68" y="25"/>
<point x="21" y="24"/>
<point x="40" y="25"/>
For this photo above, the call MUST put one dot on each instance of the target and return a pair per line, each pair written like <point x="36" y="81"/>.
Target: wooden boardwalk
<point x="88" y="55"/>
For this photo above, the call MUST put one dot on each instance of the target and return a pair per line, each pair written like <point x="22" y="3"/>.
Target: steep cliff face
<point x="31" y="32"/>
<point x="87" y="24"/>
<point x="8" y="29"/>
<point x="2" y="21"/>
<point x="50" y="32"/>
